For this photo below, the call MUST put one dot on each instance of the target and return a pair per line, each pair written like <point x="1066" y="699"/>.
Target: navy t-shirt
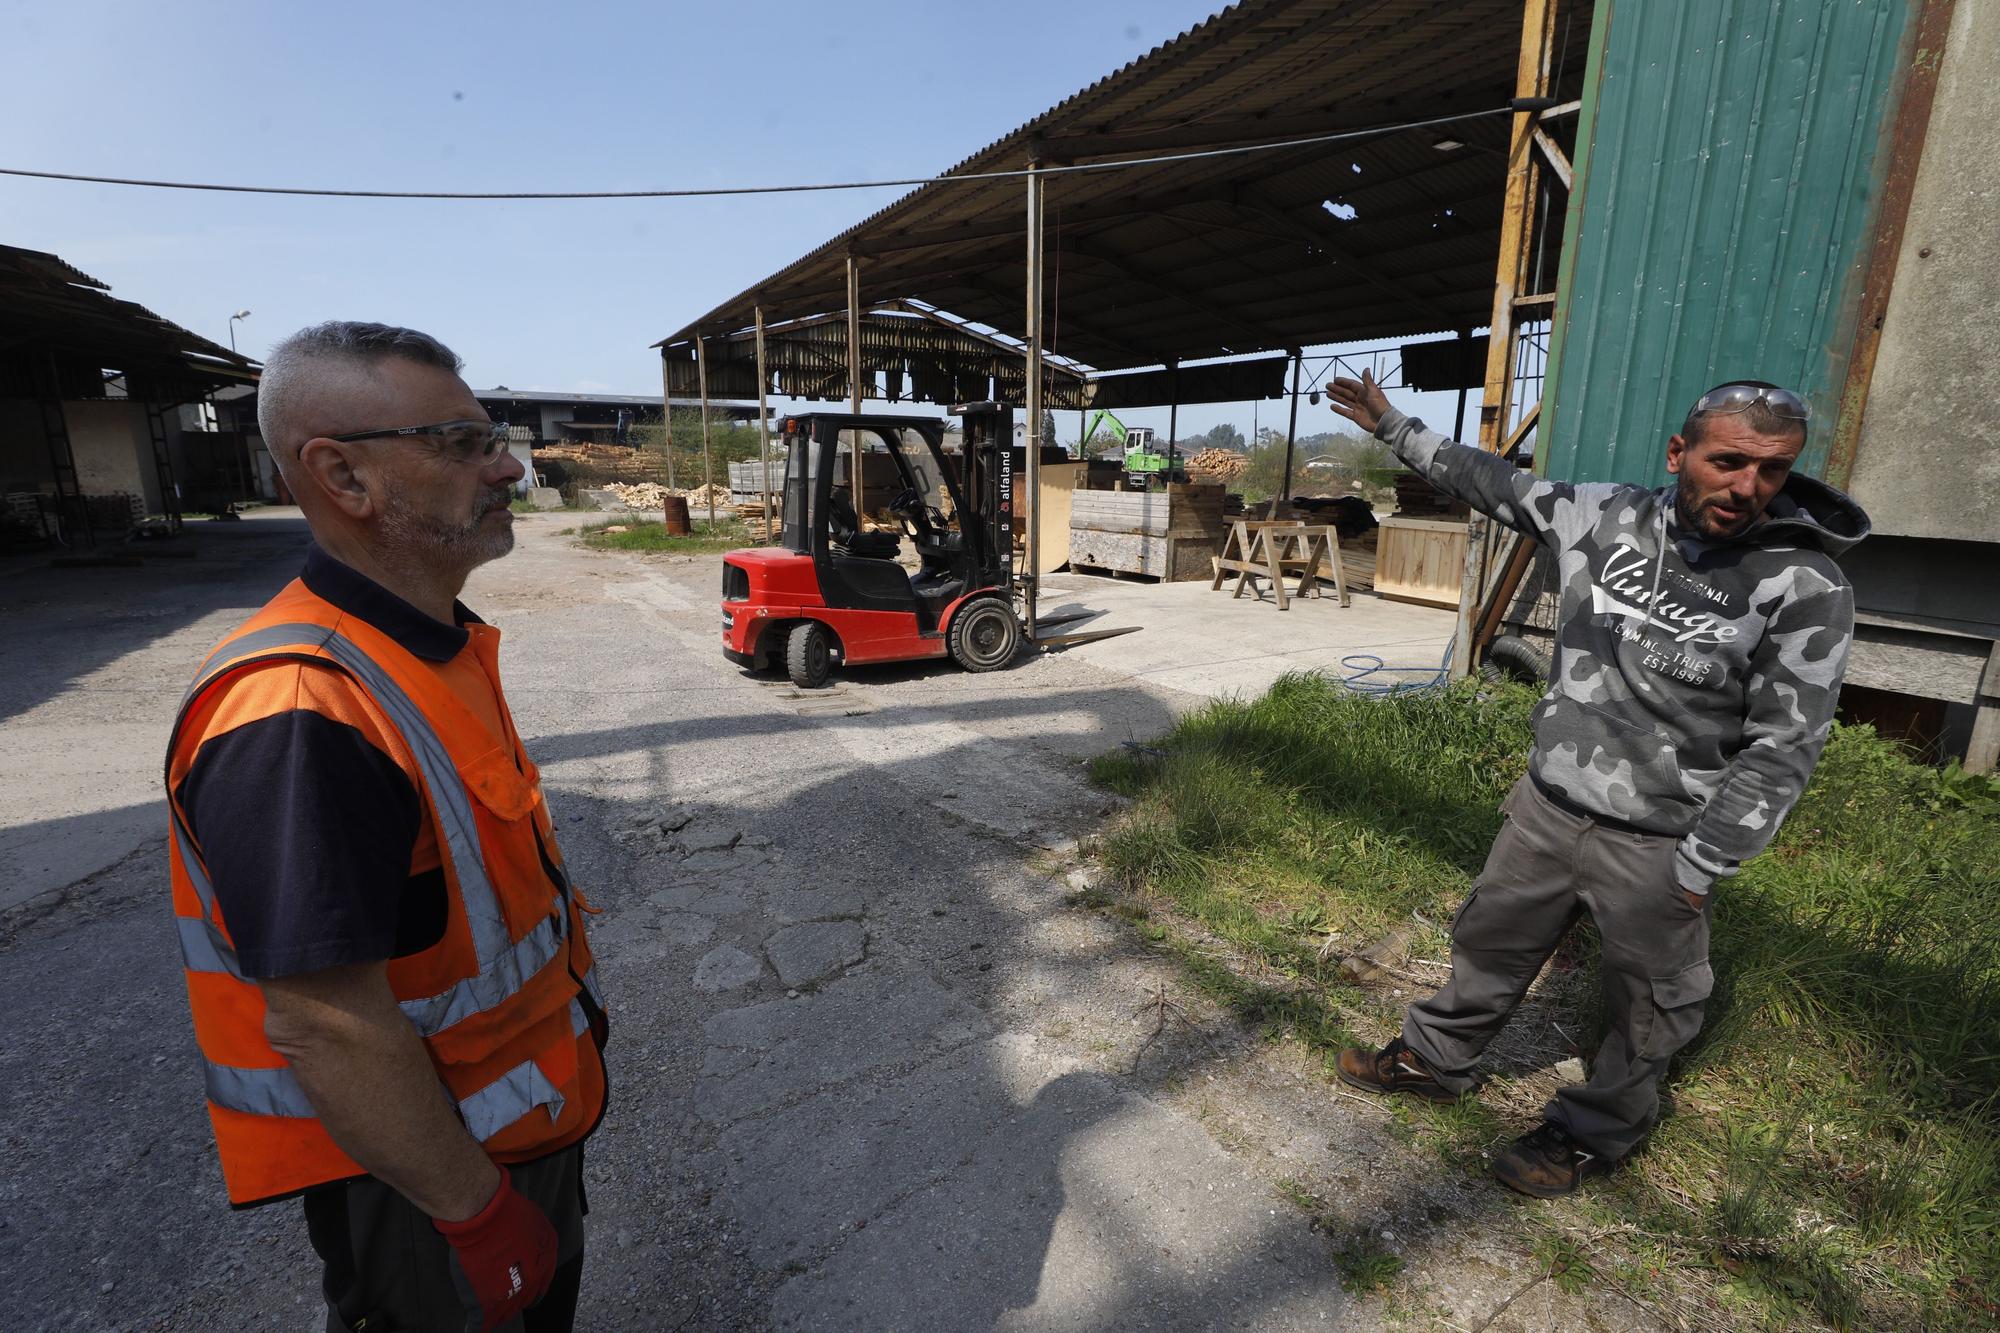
<point x="309" y="829"/>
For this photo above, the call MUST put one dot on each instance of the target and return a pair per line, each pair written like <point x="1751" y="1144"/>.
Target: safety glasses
<point x="468" y="440"/>
<point x="1738" y="395"/>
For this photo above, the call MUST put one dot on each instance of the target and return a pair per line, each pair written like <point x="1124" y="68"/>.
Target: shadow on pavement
<point x="65" y="623"/>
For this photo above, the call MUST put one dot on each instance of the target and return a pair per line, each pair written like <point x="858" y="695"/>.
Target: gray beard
<point x="426" y="540"/>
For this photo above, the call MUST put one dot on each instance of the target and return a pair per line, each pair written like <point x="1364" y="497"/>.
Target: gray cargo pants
<point x="1546" y="868"/>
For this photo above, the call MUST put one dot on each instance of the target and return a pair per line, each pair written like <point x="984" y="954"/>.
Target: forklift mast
<point x="796" y="534"/>
<point x="989" y="481"/>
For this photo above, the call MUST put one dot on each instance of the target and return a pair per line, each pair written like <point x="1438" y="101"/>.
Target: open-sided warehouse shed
<point x="88" y="384"/>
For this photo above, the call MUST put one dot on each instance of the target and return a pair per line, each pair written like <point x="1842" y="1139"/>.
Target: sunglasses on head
<point x="467" y="440"/>
<point x="1738" y="395"/>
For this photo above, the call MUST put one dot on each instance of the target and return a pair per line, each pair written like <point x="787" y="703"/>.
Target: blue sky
<point x="553" y="295"/>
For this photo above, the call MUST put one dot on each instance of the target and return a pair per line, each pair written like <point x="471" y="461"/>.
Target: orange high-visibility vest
<point x="506" y="1001"/>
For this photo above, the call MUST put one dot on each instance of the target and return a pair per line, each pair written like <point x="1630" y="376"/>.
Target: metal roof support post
<point x="1531" y="80"/>
<point x="1292" y="427"/>
<point x="1174" y="405"/>
<point x="764" y="422"/>
<point x="707" y="472"/>
<point x="854" y="378"/>
<point x="667" y="417"/>
<point x="1034" y="447"/>
<point x="1458" y="431"/>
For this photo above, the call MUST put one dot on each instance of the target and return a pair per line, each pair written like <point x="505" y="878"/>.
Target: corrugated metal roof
<point x="48" y="307"/>
<point x="1231" y="254"/>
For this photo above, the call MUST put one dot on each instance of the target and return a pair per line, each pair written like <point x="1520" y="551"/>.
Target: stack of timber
<point x="1417" y="498"/>
<point x="1172" y="535"/>
<point x="1357" y="561"/>
<point x="1224" y="465"/>
<point x="600" y="462"/>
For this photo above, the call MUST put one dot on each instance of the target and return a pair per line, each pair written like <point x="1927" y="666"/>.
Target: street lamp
<point x="241" y="314"/>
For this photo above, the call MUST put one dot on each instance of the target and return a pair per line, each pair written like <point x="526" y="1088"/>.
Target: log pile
<point x="1216" y="465"/>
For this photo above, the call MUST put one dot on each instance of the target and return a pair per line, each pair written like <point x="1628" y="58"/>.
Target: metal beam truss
<point x="907" y="354"/>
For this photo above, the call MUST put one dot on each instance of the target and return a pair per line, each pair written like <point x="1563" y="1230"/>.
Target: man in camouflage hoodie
<point x="1699" y="650"/>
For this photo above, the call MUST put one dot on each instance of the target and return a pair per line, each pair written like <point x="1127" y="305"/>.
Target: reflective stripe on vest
<point x="259" y="1091"/>
<point x="504" y="964"/>
<point x="490" y="937"/>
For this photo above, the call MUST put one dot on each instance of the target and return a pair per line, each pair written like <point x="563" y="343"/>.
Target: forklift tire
<point x="985" y="635"/>
<point x="809" y="655"/>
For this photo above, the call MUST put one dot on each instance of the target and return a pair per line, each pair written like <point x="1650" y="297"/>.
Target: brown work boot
<point x="1394" y="1068"/>
<point x="1547" y="1163"/>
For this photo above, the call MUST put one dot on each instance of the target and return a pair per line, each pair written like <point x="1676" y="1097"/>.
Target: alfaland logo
<point x="1625" y="587"/>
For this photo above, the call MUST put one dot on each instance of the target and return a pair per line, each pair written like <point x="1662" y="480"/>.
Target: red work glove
<point x="507" y="1250"/>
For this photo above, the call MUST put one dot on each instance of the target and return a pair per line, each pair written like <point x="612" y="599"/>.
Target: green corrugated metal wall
<point x="1726" y="203"/>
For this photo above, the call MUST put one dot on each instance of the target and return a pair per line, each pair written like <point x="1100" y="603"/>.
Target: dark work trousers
<point x="387" y="1270"/>
<point x="1548" y="866"/>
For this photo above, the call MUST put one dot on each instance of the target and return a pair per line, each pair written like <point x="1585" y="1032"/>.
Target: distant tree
<point x="1219" y="436"/>
<point x="1325" y="463"/>
<point x="729" y="442"/>
<point x="1100" y="440"/>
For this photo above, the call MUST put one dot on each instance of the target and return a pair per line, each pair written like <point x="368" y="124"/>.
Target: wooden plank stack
<point x="1417" y="498"/>
<point x="1171" y="535"/>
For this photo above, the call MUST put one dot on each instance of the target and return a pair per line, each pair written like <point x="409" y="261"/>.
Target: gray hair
<point x="294" y="371"/>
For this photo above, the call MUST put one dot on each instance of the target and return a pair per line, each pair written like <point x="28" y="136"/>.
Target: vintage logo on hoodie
<point x="1645" y="596"/>
<point x="1628" y="585"/>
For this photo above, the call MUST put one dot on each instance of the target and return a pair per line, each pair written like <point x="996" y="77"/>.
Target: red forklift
<point x="834" y="592"/>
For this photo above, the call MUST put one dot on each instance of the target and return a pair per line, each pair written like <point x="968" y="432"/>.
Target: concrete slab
<point x="1208" y="643"/>
<point x="815" y="950"/>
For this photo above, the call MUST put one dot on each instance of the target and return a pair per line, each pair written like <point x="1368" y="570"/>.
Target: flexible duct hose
<point x="1511" y="655"/>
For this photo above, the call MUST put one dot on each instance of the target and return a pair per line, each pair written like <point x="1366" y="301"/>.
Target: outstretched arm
<point x="1556" y="512"/>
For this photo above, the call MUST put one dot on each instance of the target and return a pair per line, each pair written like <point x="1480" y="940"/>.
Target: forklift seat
<point x="844" y="526"/>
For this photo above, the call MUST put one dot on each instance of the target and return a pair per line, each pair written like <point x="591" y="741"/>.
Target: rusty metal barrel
<point x="677" y="516"/>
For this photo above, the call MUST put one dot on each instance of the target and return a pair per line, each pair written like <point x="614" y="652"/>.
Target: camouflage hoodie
<point x="1694" y="681"/>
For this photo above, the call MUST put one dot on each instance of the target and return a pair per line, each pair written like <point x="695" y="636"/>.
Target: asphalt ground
<point x="873" y="1065"/>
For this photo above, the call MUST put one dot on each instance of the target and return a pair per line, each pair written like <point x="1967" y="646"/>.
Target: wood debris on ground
<point x="652" y="495"/>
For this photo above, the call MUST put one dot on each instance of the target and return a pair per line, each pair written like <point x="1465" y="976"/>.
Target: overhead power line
<point x="1070" y="169"/>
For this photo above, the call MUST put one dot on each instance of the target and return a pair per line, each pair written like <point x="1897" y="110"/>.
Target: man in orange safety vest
<point x="386" y="964"/>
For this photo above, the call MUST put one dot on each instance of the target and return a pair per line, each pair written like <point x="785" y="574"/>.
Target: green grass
<point x="706" y="539"/>
<point x="1364" y="1269"/>
<point x="1834" y="1157"/>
